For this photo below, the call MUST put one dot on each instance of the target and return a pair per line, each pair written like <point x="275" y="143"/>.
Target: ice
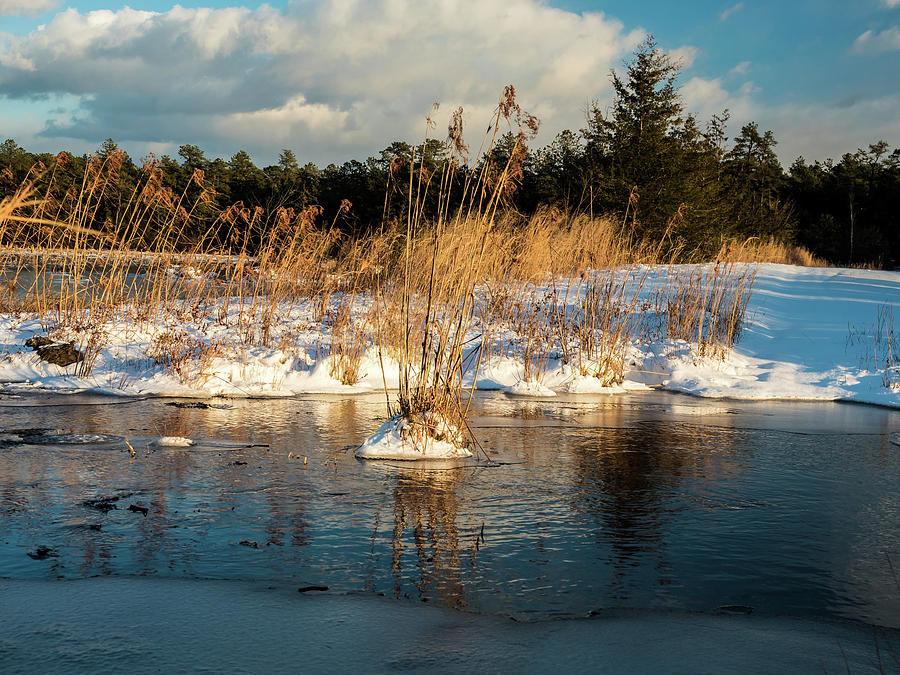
<point x="172" y="442"/>
<point x="530" y="388"/>
<point x="131" y="624"/>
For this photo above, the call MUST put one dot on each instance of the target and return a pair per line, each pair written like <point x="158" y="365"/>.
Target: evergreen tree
<point x="649" y="162"/>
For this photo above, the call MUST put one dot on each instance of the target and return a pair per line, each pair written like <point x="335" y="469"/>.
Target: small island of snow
<point x="430" y="437"/>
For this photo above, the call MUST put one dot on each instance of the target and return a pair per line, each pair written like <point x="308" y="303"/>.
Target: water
<point x="651" y="500"/>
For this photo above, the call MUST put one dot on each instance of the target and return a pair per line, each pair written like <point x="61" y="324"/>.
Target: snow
<point x="530" y="388"/>
<point x="431" y="438"/>
<point x="172" y="442"/>
<point x="809" y="333"/>
<point x="140" y="624"/>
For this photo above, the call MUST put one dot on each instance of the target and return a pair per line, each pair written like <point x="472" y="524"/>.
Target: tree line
<point x="664" y="173"/>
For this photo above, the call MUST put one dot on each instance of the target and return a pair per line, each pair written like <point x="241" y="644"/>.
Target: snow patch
<point x="585" y="384"/>
<point x="172" y="442"/>
<point x="430" y="438"/>
<point x="807" y="334"/>
<point x="532" y="388"/>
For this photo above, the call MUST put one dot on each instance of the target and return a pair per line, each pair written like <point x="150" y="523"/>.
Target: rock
<point x="62" y="354"/>
<point x="38" y="341"/>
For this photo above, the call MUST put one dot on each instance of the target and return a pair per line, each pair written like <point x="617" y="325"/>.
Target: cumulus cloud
<point x="814" y="130"/>
<point x="685" y="56"/>
<point x="724" y="14"/>
<point x="740" y="69"/>
<point x="871" y="42"/>
<point x="817" y="131"/>
<point x="892" y="3"/>
<point x="328" y="78"/>
<point x="27" y="7"/>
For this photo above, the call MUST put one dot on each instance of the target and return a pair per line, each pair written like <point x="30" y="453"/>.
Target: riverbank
<point x="807" y="333"/>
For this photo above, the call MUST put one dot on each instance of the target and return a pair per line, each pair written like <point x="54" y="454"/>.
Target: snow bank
<point x="530" y="388"/>
<point x="809" y="333"/>
<point x="431" y="438"/>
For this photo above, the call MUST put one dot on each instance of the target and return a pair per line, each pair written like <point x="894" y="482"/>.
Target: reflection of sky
<point x="631" y="501"/>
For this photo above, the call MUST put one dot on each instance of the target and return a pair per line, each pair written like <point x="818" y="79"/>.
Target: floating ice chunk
<point x="585" y="384"/>
<point x="172" y="442"/>
<point x="530" y="388"/>
<point x="431" y="437"/>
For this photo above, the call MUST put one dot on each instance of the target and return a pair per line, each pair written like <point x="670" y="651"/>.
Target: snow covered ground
<point x="809" y="333"/>
<point x="134" y="624"/>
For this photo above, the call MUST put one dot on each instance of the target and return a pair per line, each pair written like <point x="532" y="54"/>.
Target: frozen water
<point x="144" y="625"/>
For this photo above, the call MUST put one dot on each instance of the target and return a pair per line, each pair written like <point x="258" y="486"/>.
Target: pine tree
<point x="649" y="161"/>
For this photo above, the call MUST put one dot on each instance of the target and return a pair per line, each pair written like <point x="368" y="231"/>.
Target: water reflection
<point x="426" y="525"/>
<point x="635" y="501"/>
<point x="632" y="482"/>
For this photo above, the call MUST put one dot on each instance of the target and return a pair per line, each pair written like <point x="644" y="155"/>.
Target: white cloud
<point x="874" y="43"/>
<point x="685" y="56"/>
<point x="27" y="7"/>
<point x="740" y="69"/>
<point x="708" y="97"/>
<point x="814" y="130"/>
<point x="892" y="3"/>
<point x="724" y="14"/>
<point x="818" y="131"/>
<point x="330" y="79"/>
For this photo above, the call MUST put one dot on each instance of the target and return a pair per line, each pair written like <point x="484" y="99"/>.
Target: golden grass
<point x="431" y="278"/>
<point x="759" y="250"/>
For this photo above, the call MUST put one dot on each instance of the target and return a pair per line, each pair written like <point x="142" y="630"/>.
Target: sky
<point x="335" y="80"/>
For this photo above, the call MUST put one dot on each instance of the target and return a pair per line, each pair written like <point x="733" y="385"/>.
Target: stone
<point x="61" y="354"/>
<point x="38" y="341"/>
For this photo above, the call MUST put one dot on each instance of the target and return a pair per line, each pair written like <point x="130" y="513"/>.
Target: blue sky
<point x="340" y="79"/>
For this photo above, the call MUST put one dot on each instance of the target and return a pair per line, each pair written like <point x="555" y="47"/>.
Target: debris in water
<point x="42" y="553"/>
<point x="105" y="504"/>
<point x="305" y="589"/>
<point x="100" y="505"/>
<point x="734" y="609"/>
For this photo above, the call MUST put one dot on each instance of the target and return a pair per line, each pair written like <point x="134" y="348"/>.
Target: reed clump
<point x="756" y="250"/>
<point x="706" y="305"/>
<point x="606" y="325"/>
<point x="349" y="342"/>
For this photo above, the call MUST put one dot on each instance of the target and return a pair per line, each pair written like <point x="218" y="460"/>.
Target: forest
<point x="666" y="175"/>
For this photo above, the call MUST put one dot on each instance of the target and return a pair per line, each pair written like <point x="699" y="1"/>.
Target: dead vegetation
<point x="441" y="288"/>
